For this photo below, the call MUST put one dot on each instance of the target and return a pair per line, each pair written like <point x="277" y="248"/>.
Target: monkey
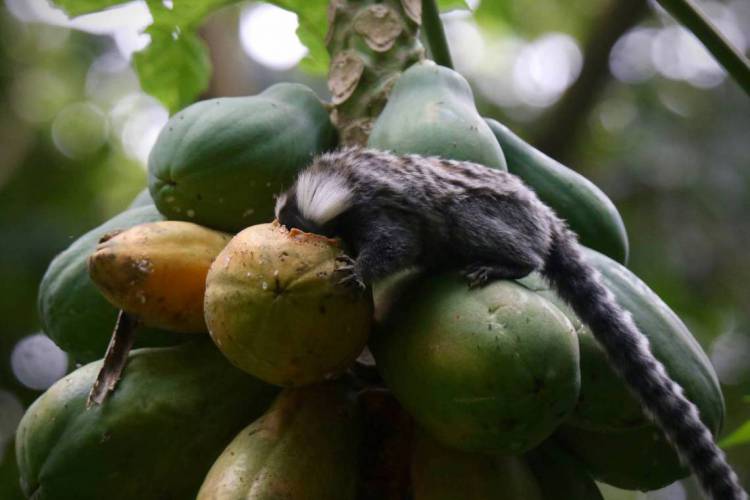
<point x="394" y="212"/>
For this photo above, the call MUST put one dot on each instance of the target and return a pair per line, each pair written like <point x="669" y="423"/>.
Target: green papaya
<point x="74" y="314"/>
<point x="560" y="476"/>
<point x="155" y="437"/>
<point x="635" y="459"/>
<point x="220" y="162"/>
<point x="588" y="211"/>
<point x="440" y="473"/>
<point x="304" y="447"/>
<point x="608" y="431"/>
<point x="606" y="404"/>
<point x="431" y="112"/>
<point x="493" y="369"/>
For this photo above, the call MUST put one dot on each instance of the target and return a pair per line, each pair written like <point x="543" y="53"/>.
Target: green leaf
<point x="313" y="25"/>
<point x="77" y="7"/>
<point x="175" y="67"/>
<point x="740" y="436"/>
<point x="445" y="5"/>
<point x="184" y="13"/>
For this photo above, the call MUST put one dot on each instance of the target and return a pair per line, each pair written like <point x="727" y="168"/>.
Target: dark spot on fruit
<point x="322" y="309"/>
<point x="110" y="235"/>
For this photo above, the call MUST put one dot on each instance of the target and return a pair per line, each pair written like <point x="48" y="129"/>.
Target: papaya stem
<point x="435" y="34"/>
<point x="370" y="42"/>
<point x="115" y="358"/>
<point x="736" y="64"/>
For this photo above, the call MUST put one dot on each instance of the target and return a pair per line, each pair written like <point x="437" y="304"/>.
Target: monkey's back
<point x="460" y="210"/>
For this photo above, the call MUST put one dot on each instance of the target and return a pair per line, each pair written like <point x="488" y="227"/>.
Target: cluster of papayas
<point x="499" y="392"/>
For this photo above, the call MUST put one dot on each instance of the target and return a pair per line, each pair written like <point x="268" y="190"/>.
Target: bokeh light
<point x="467" y="44"/>
<point x="38" y="94"/>
<point x="546" y="68"/>
<point x="630" y="58"/>
<point x="522" y="76"/>
<point x="675" y="53"/>
<point x="125" y="23"/>
<point x="37" y="362"/>
<point x="729" y="354"/>
<point x="616" y="114"/>
<point x="79" y="130"/>
<point x="137" y="119"/>
<point x="110" y="77"/>
<point x="268" y="35"/>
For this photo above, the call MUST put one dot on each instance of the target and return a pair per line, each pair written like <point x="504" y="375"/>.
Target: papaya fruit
<point x="559" y="475"/>
<point x="385" y="451"/>
<point x="608" y="431"/>
<point x="305" y="447"/>
<point x="220" y="162"/>
<point x="634" y="459"/>
<point x="605" y="404"/>
<point x="157" y="435"/>
<point x="440" y="473"/>
<point x="73" y="312"/>
<point x="431" y="112"/>
<point x="492" y="369"/>
<point x="274" y="307"/>
<point x="587" y="210"/>
<point x="157" y="272"/>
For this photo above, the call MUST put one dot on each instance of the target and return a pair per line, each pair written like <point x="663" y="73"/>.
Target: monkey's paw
<point x="347" y="273"/>
<point x="477" y="275"/>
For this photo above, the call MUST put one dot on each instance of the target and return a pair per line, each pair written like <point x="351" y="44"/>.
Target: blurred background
<point x="613" y="89"/>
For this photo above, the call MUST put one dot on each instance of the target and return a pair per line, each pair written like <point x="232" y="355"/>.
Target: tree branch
<point x="736" y="64"/>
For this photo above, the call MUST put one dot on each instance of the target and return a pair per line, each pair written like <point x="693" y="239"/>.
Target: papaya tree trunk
<point x="371" y="42"/>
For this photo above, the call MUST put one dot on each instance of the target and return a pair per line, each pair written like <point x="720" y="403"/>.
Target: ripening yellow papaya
<point x="274" y="306"/>
<point x="157" y="271"/>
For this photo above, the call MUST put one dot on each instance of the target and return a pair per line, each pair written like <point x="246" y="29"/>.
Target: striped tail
<point x="628" y="349"/>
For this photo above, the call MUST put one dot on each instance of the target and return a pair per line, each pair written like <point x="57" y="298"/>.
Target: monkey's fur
<point x="395" y="212"/>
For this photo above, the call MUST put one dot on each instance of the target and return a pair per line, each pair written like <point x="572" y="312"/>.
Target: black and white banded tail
<point x="629" y="352"/>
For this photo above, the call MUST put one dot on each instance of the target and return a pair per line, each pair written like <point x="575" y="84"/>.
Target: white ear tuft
<point x="280" y="202"/>
<point x="321" y="196"/>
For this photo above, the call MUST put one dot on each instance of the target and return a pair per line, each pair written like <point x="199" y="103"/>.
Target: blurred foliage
<point x="740" y="436"/>
<point x="534" y="18"/>
<point x="673" y="157"/>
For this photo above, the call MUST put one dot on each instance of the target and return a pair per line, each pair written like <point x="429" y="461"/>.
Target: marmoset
<point x="399" y="211"/>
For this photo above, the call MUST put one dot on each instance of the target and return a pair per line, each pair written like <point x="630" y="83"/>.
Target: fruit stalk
<point x="435" y="34"/>
<point x="370" y="44"/>
<point x="115" y="358"/>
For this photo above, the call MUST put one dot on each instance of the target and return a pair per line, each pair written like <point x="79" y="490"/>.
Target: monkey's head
<point x="314" y="202"/>
<point x="288" y="213"/>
